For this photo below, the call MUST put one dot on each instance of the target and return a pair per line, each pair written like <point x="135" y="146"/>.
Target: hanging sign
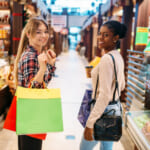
<point x="141" y="36"/>
<point x="59" y="20"/>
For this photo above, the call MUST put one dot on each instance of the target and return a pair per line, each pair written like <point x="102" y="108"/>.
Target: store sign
<point x="59" y="20"/>
<point x="141" y="36"/>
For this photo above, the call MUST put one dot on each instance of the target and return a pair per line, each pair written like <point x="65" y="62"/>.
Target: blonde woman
<point x="33" y="67"/>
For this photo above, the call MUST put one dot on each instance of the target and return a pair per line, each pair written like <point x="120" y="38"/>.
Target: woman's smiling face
<point x="106" y="39"/>
<point x="40" y="36"/>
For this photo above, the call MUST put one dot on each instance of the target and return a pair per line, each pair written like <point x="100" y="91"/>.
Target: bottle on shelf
<point x="10" y="80"/>
<point x="10" y="75"/>
<point x="4" y="4"/>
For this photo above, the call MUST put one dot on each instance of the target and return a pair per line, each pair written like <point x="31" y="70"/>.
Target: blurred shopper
<point x="65" y="45"/>
<point x="82" y="50"/>
<point x="33" y="67"/>
<point x="79" y="45"/>
<point x="108" y="39"/>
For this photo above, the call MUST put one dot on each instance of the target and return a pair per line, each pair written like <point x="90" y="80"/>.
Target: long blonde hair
<point x="29" y="28"/>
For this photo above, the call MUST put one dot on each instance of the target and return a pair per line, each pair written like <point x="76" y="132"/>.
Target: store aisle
<point x="71" y="79"/>
<point x="70" y="76"/>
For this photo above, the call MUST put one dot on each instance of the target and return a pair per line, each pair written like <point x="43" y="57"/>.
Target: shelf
<point x="4" y="39"/>
<point x="4" y="8"/>
<point x="4" y="24"/>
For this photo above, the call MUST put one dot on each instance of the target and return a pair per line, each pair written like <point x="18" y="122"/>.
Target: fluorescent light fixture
<point x="83" y="5"/>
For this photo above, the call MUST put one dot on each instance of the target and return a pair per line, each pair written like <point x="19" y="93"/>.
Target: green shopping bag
<point x="38" y="111"/>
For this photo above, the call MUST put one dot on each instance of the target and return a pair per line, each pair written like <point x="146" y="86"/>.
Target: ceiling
<point x="73" y="7"/>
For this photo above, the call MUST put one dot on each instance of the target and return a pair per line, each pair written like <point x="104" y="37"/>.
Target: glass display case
<point x="5" y="95"/>
<point x="3" y="71"/>
<point x="138" y="127"/>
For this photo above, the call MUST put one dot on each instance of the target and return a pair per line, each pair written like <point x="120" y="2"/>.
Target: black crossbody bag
<point x="109" y="127"/>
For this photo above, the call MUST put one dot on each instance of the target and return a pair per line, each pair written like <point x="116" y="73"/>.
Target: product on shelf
<point x="4" y="31"/>
<point x="143" y="122"/>
<point x="10" y="75"/>
<point x="4" y="4"/>
<point x="10" y="80"/>
<point x="2" y="77"/>
<point x="4" y="16"/>
<point x="146" y="130"/>
<point x="1" y="45"/>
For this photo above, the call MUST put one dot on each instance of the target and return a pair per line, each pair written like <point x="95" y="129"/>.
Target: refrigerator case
<point x="136" y="124"/>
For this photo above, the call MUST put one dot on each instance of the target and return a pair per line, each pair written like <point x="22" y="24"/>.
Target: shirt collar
<point x="32" y="49"/>
<point x="113" y="51"/>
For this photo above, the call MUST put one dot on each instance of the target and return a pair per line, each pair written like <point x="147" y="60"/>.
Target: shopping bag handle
<point x="31" y="83"/>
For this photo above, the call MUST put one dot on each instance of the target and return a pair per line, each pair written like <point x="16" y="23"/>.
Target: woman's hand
<point x="51" y="57"/>
<point x="88" y="134"/>
<point x="42" y="59"/>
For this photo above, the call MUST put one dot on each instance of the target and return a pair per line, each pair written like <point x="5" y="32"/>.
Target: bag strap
<point x="117" y="85"/>
<point x="116" y="80"/>
<point x="96" y="87"/>
<point x="31" y="84"/>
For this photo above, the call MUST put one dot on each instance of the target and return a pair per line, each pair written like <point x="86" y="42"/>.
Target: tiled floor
<point x="70" y="77"/>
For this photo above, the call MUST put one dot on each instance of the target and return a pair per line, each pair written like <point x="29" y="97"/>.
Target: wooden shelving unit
<point x="4" y="8"/>
<point x="5" y="28"/>
<point x="4" y="39"/>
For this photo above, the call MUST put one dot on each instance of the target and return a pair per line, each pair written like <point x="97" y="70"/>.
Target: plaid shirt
<point x="28" y="67"/>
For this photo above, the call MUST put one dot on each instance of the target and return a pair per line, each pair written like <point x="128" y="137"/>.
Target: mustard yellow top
<point x="94" y="62"/>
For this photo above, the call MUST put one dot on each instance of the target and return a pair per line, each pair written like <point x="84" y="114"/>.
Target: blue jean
<point x="89" y="145"/>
